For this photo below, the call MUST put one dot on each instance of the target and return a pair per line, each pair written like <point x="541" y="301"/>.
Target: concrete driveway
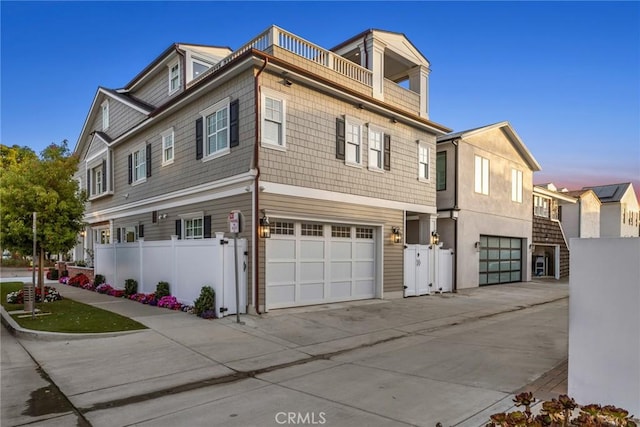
<point x="453" y="358"/>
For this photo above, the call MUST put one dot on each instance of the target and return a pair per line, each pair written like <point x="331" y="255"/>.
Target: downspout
<point x="455" y="208"/>
<point x="256" y="189"/>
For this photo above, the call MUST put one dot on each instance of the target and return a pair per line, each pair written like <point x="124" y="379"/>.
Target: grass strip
<point x="68" y="316"/>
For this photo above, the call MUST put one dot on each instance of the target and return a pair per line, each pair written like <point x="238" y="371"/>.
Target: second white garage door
<point x="311" y="263"/>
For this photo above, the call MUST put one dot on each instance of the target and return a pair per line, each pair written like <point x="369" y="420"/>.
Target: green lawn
<point x="68" y="315"/>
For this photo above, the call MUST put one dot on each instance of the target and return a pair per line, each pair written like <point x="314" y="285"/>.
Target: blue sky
<point x="564" y="74"/>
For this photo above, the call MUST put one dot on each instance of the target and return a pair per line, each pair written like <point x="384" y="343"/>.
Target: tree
<point x="42" y="184"/>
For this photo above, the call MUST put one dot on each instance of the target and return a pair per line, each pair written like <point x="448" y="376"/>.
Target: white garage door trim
<point x="317" y="263"/>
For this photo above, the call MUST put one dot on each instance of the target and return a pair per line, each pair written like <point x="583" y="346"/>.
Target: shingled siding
<point x="546" y="231"/>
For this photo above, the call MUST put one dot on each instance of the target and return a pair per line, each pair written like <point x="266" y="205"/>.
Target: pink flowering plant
<point x="169" y="302"/>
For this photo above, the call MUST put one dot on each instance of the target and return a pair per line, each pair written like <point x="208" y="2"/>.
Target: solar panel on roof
<point x="607" y="192"/>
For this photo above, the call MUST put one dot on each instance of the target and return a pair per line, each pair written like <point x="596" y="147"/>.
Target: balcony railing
<point x="275" y="36"/>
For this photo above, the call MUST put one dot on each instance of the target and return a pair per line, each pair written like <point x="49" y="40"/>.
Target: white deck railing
<point x="275" y="36"/>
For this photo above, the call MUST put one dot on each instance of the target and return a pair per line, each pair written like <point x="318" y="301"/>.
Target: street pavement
<point x="452" y="358"/>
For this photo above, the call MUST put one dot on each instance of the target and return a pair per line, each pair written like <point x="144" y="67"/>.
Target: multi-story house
<point x="619" y="213"/>
<point x="550" y="250"/>
<point x="326" y="151"/>
<point x="484" y="195"/>
<point x="582" y="218"/>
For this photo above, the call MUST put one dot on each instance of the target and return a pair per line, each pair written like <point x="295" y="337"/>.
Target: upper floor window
<point x="353" y="139"/>
<point x="198" y="67"/>
<point x="441" y="171"/>
<point x="423" y="161"/>
<point x="516" y="185"/>
<point x="481" y="175"/>
<point x="97" y="183"/>
<point x="105" y="115"/>
<point x="216" y="129"/>
<point x="541" y="206"/>
<point x="376" y="137"/>
<point x="167" y="146"/>
<point x="174" y="77"/>
<point x="273" y="120"/>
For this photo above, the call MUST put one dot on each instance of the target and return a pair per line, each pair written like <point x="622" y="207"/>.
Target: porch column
<point x="376" y="65"/>
<point x="419" y="83"/>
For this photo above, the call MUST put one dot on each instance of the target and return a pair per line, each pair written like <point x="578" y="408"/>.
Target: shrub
<point x="98" y="280"/>
<point x="561" y="412"/>
<point x="206" y="301"/>
<point x="52" y="274"/>
<point x="50" y="295"/>
<point x="162" y="290"/>
<point x="130" y="287"/>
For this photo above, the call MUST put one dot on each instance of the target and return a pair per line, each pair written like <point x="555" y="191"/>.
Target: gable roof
<point x="611" y="193"/>
<point x="399" y="42"/>
<point x="508" y="130"/>
<point x="546" y="191"/>
<point x="582" y="193"/>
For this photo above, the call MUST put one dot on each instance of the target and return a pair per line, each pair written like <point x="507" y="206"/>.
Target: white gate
<point x="427" y="269"/>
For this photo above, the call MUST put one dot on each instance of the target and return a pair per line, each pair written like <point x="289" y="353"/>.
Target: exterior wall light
<point x="435" y="238"/>
<point x="264" y="229"/>
<point x="477" y="246"/>
<point x="396" y="235"/>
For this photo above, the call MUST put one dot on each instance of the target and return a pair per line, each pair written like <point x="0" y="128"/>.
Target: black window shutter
<point x="148" y="160"/>
<point x="118" y="238"/>
<point x="340" y="138"/>
<point x="130" y="168"/>
<point x="154" y="217"/>
<point x="234" y="131"/>
<point x="179" y="228"/>
<point x="141" y="230"/>
<point x="207" y="227"/>
<point x="387" y="152"/>
<point x="89" y="181"/>
<point x="104" y="176"/>
<point x="199" y="147"/>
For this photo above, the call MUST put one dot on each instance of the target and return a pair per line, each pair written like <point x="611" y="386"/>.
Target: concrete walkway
<point x="181" y="354"/>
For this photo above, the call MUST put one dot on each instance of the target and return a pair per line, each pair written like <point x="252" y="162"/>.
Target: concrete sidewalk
<point x="180" y="353"/>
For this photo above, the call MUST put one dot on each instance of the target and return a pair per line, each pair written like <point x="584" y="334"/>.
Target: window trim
<point x="143" y="151"/>
<point x="163" y="136"/>
<point x="373" y="129"/>
<point x="351" y="121"/>
<point x="541" y="208"/>
<point x="92" y="163"/>
<point x="171" y="66"/>
<point x="105" y="115"/>
<point x="218" y="106"/>
<point x="482" y="186"/>
<point x="422" y="145"/>
<point x="516" y="185"/>
<point x="190" y="217"/>
<point x="199" y="61"/>
<point x="278" y="96"/>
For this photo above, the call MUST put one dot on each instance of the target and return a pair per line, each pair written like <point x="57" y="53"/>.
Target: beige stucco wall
<point x="581" y="219"/>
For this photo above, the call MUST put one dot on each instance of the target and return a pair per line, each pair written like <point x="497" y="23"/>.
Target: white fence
<point x="427" y="269"/>
<point x="604" y="322"/>
<point x="186" y="265"/>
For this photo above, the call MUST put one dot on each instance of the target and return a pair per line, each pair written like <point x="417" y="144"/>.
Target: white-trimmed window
<point x="174" y="77"/>
<point x="193" y="228"/>
<point x="541" y="206"/>
<point x="273" y="120"/>
<point x="167" y="146"/>
<point x="102" y="235"/>
<point x="140" y="165"/>
<point x="98" y="180"/>
<point x="424" y="172"/>
<point x="376" y="140"/>
<point x="105" y="115"/>
<point x="128" y="233"/>
<point x="216" y="129"/>
<point x="516" y="185"/>
<point x="481" y="175"/>
<point x="198" y="67"/>
<point x="353" y="142"/>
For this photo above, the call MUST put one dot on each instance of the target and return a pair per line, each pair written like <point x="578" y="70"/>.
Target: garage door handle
<point x="244" y="266"/>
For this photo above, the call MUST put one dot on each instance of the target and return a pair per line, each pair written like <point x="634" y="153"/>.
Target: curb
<point x="21" y="332"/>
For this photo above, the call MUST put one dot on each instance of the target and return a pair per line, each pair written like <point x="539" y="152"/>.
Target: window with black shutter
<point x="179" y="228"/>
<point x="207" y="227"/>
<point x="340" y="138"/>
<point x="104" y="176"/>
<point x="234" y="131"/>
<point x="199" y="140"/>
<point x="148" y="159"/>
<point x="130" y="158"/>
<point x="387" y="152"/>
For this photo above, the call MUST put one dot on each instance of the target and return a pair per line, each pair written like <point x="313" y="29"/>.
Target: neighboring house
<point x="550" y="250"/>
<point x="581" y="219"/>
<point x="484" y="183"/>
<point x="619" y="213"/>
<point x="334" y="148"/>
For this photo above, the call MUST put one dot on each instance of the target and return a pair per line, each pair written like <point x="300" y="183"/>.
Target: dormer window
<point x="198" y="67"/>
<point x="105" y="115"/>
<point x="174" y="77"/>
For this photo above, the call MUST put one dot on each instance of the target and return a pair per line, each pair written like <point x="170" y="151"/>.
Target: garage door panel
<point x="364" y="269"/>
<point x="365" y="250"/>
<point x="282" y="295"/>
<point x="339" y="290"/>
<point x="364" y="287"/>
<point x="312" y="250"/>
<point x="340" y="250"/>
<point x="341" y="270"/>
<point x="312" y="291"/>
<point x="281" y="249"/>
<point x="312" y="271"/>
<point x="281" y="272"/>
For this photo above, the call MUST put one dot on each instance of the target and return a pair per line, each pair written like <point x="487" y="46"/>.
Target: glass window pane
<point x="505" y="265"/>
<point x="494" y="266"/>
<point x="483" y="254"/>
<point x="483" y="267"/>
<point x="505" y="254"/>
<point x="494" y="254"/>
<point x="493" y="278"/>
<point x="505" y="277"/>
<point x="516" y="243"/>
<point x="483" y="279"/>
<point x="515" y="276"/>
<point x="515" y="265"/>
<point x="494" y="242"/>
<point x="505" y="242"/>
<point x="484" y="241"/>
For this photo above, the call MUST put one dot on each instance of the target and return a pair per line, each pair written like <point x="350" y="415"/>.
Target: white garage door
<point x="311" y="263"/>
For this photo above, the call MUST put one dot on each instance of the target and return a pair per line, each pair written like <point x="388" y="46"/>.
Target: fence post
<point x="174" y="265"/>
